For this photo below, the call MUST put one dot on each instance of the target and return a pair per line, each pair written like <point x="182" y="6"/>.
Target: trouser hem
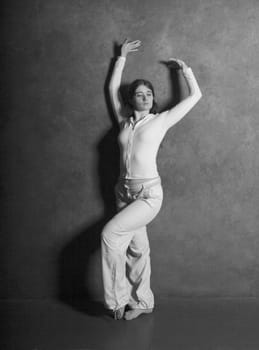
<point x="141" y="308"/>
<point x="116" y="308"/>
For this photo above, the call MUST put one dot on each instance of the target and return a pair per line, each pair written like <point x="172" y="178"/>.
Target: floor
<point x="176" y="324"/>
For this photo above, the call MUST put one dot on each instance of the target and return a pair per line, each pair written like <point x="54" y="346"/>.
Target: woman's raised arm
<point x="115" y="82"/>
<point x="173" y="115"/>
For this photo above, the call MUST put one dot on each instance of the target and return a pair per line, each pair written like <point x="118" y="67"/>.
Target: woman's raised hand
<point x="176" y="62"/>
<point x="129" y="46"/>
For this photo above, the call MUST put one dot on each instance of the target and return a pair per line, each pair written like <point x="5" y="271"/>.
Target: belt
<point x="146" y="183"/>
<point x="138" y="185"/>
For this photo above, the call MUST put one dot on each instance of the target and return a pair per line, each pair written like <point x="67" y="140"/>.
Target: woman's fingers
<point x="129" y="46"/>
<point x="172" y="62"/>
<point x="172" y="59"/>
<point x="135" y="43"/>
<point x="181" y="63"/>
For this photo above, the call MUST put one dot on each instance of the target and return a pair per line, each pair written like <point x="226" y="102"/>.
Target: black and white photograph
<point x="129" y="175"/>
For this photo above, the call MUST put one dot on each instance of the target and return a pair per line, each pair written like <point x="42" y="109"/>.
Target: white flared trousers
<point x="125" y="246"/>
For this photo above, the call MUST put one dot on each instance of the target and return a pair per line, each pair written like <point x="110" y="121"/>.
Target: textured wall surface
<point x="60" y="156"/>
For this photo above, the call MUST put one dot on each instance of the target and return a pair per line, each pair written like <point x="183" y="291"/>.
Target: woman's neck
<point x="140" y="114"/>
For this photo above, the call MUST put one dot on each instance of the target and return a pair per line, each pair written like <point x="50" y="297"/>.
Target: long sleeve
<point x="175" y="114"/>
<point x="114" y="87"/>
<point x="191" y="81"/>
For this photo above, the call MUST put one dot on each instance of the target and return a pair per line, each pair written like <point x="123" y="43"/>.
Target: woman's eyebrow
<point x="141" y="92"/>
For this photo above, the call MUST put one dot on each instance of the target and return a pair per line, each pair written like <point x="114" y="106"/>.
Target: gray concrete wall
<point x="60" y="157"/>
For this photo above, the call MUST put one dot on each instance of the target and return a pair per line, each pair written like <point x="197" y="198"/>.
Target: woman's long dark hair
<point x="133" y="87"/>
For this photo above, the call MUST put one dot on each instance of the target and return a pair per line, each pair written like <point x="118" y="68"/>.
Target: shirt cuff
<point x="188" y="73"/>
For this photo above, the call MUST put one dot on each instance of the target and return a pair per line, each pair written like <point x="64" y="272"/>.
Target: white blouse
<point x="139" y="141"/>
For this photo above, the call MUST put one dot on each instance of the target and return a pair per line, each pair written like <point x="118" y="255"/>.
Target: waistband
<point x="143" y="182"/>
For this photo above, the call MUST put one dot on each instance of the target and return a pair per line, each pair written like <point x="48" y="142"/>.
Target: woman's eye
<point x="142" y="95"/>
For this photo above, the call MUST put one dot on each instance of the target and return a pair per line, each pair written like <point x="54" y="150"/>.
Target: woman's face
<point x="142" y="99"/>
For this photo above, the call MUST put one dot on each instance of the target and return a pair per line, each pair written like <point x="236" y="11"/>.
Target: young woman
<point x="125" y="245"/>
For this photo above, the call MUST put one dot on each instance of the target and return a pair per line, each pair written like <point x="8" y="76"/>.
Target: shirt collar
<point x="133" y="122"/>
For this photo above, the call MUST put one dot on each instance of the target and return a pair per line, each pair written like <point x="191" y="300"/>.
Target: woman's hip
<point x="129" y="190"/>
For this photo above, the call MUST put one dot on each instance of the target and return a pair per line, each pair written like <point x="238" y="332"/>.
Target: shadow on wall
<point x="76" y="271"/>
<point x="75" y="268"/>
